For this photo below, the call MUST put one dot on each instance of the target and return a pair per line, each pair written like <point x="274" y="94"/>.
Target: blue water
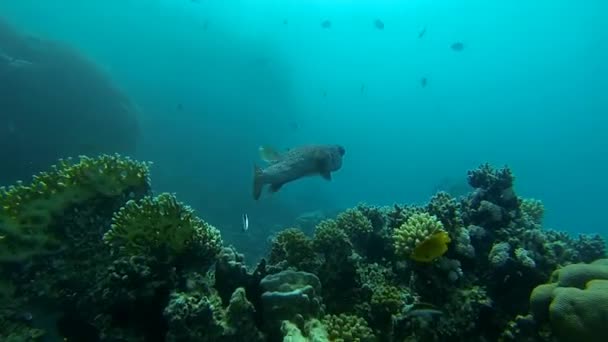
<point x="529" y="90"/>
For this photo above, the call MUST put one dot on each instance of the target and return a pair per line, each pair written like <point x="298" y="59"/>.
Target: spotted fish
<point x="296" y="163"/>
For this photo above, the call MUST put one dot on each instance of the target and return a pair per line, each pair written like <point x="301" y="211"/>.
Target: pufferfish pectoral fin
<point x="326" y="175"/>
<point x="269" y="154"/>
<point x="275" y="187"/>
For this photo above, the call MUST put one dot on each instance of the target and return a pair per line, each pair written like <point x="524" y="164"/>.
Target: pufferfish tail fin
<point x="258" y="182"/>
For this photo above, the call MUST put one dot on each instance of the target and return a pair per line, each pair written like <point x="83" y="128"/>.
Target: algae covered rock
<point x="575" y="305"/>
<point x="291" y="295"/>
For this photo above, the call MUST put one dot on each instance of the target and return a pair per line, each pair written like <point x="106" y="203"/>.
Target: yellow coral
<point x="421" y="238"/>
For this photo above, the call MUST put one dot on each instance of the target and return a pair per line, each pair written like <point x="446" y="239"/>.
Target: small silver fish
<point x="245" y="222"/>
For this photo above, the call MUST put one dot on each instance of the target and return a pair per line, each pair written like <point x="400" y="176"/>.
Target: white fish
<point x="245" y="222"/>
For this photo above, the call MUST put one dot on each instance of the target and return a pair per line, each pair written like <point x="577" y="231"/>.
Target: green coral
<point x="575" y="303"/>
<point x="240" y="320"/>
<point x="533" y="210"/>
<point x="387" y="299"/>
<point x="354" y="223"/>
<point x="447" y="210"/>
<point x="347" y="328"/>
<point x="330" y="240"/>
<point x="164" y="227"/>
<point x="465" y="307"/>
<point x="418" y="229"/>
<point x="194" y="317"/>
<point x="27" y="212"/>
<point x="293" y="247"/>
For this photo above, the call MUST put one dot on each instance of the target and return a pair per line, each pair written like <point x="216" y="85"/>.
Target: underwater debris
<point x="326" y="24"/>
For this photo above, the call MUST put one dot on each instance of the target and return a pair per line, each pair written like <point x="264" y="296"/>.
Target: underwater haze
<point x="439" y="88"/>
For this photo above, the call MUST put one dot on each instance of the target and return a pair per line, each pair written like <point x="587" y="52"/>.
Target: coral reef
<point x="29" y="213"/>
<point x="162" y="226"/>
<point x="347" y="328"/>
<point x="575" y="303"/>
<point x="290" y="295"/>
<point x="93" y="252"/>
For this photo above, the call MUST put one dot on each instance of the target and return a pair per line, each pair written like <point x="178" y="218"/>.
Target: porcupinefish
<point x="294" y="164"/>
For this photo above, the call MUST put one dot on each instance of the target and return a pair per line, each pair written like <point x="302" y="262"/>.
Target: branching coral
<point x="347" y="328"/>
<point x="533" y="210"/>
<point x="162" y="227"/>
<point x="194" y="317"/>
<point x="293" y="248"/>
<point x="354" y="224"/>
<point x="447" y="210"/>
<point x="486" y="177"/>
<point x="331" y="241"/>
<point x="421" y="238"/>
<point x="28" y="211"/>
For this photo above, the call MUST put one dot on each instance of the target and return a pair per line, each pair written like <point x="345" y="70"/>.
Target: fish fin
<point x="326" y="175"/>
<point x="258" y="182"/>
<point x="269" y="154"/>
<point x="322" y="167"/>
<point x="275" y="187"/>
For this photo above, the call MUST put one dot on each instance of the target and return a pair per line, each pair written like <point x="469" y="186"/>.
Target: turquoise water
<point x="528" y="90"/>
